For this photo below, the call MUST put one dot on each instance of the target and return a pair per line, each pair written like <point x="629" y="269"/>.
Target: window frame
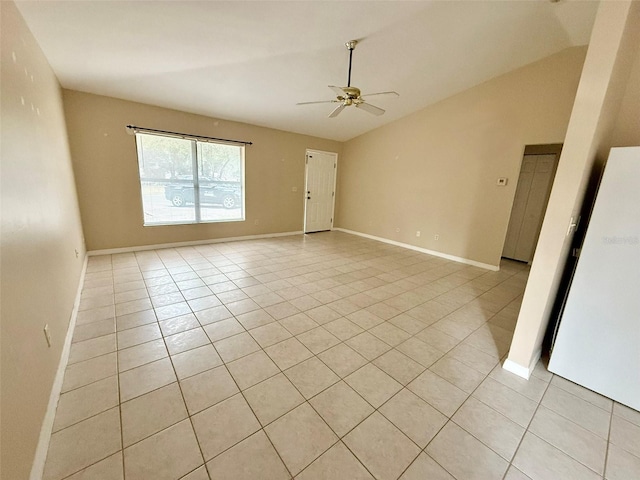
<point x="195" y="165"/>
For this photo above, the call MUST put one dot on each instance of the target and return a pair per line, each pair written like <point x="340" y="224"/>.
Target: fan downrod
<point x="351" y="96"/>
<point x="350" y="46"/>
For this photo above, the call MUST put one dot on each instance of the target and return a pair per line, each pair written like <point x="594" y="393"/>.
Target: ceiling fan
<point x="349" y="95"/>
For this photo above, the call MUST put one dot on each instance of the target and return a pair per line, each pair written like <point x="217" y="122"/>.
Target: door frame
<point x="544" y="149"/>
<point x="335" y="178"/>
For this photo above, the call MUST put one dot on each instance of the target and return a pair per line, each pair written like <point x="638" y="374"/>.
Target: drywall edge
<point x="40" y="457"/>
<point x="435" y="253"/>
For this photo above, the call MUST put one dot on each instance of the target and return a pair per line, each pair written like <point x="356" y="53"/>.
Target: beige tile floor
<point x="326" y="356"/>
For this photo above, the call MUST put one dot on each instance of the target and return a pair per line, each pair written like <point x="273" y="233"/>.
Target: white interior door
<point x="320" y="190"/>
<point x="529" y="206"/>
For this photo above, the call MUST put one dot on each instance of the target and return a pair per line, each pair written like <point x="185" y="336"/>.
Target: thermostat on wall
<point x="502" y="182"/>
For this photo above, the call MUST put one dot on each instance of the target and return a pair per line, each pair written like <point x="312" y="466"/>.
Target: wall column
<point x="614" y="41"/>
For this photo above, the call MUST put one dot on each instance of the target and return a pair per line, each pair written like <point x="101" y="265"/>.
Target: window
<point x="190" y="181"/>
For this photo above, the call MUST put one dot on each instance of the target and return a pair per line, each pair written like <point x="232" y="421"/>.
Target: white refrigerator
<point x="598" y="341"/>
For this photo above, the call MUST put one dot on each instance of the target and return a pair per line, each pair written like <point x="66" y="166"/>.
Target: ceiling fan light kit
<point x="351" y="96"/>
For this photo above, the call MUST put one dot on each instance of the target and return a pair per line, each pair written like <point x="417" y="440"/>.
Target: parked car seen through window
<point x="173" y="169"/>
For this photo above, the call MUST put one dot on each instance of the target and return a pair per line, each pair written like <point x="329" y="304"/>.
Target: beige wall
<point x="612" y="50"/>
<point x="436" y="170"/>
<point x="40" y="230"/>
<point x="627" y="129"/>
<point x="106" y="169"/>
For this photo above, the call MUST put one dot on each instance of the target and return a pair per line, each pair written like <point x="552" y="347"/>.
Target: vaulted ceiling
<point x="253" y="61"/>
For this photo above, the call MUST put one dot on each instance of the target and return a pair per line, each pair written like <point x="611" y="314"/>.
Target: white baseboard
<point x="517" y="369"/>
<point x="110" y="251"/>
<point x="40" y="457"/>
<point x="466" y="261"/>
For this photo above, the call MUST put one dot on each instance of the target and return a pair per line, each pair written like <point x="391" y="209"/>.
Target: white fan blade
<point x="367" y="107"/>
<point x="337" y="111"/>
<point x="321" y="101"/>
<point x="395" y="94"/>
<point x="338" y="90"/>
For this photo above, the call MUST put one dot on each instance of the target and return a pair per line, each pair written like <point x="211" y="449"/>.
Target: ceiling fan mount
<point x="348" y="96"/>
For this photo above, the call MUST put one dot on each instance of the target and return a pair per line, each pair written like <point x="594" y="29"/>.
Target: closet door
<point x="529" y="206"/>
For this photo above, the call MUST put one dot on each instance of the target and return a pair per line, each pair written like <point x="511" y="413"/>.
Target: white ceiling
<point x="253" y="61"/>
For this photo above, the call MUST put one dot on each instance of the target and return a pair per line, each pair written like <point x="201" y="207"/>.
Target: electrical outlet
<point x="47" y="336"/>
<point x="397" y="230"/>
<point x="294" y="189"/>
<point x="418" y="233"/>
<point x="436" y="237"/>
<point x="77" y="253"/>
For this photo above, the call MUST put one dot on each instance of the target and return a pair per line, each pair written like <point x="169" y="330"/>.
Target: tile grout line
<point x="241" y="392"/>
<point x="118" y="375"/>
<point x="99" y="413"/>
<point x="515" y="452"/>
<point x="572" y="421"/>
<point x="403" y="387"/>
<point x="606" y="453"/>
<point x="391" y="346"/>
<point x="383" y="321"/>
<point x="307" y="401"/>
<point x="120" y="404"/>
<point x="248" y="404"/>
<point x="450" y="419"/>
<point x="377" y="357"/>
<point x="184" y="401"/>
<point x="560" y="387"/>
<point x="281" y="416"/>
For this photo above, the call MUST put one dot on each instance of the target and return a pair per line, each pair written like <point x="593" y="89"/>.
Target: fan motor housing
<point x="347" y="96"/>
<point x="352" y="92"/>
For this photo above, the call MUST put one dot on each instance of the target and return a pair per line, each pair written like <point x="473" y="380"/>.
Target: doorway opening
<point x="537" y="171"/>
<point x="320" y="188"/>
